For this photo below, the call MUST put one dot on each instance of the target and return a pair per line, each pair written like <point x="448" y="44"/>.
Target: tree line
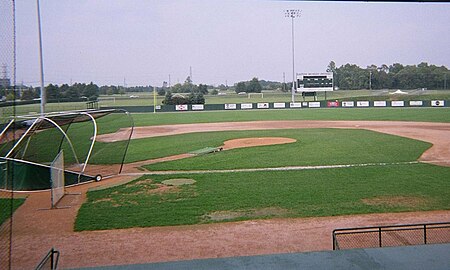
<point x="395" y="76"/>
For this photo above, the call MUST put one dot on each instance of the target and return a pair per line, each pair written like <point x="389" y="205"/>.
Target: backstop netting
<point x="7" y="89"/>
<point x="57" y="178"/>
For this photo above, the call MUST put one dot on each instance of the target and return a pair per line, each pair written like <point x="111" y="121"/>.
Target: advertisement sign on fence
<point x="263" y="105"/>
<point x="197" y="107"/>
<point x="348" y="103"/>
<point x="295" y="105"/>
<point x="381" y="103"/>
<point x="397" y="103"/>
<point x="362" y="103"/>
<point x="183" y="107"/>
<point x="279" y="105"/>
<point x="437" y="103"/>
<point x="314" y="104"/>
<point x="230" y="106"/>
<point x="333" y="103"/>
<point x="245" y="106"/>
<point x="415" y="103"/>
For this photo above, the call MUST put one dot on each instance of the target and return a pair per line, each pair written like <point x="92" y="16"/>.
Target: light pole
<point x="293" y="13"/>
<point x="43" y="92"/>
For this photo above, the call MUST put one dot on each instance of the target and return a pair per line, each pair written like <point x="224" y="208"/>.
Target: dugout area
<point x="29" y="144"/>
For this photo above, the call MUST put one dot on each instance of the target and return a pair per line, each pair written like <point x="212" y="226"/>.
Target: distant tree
<point x="161" y="91"/>
<point x="196" y="98"/>
<point x="214" y="92"/>
<point x="168" y="98"/>
<point x="202" y="88"/>
<point x="240" y="87"/>
<point x="254" y="86"/>
<point x="52" y="91"/>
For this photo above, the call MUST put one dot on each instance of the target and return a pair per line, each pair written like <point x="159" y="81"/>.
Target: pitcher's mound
<point x="250" y="142"/>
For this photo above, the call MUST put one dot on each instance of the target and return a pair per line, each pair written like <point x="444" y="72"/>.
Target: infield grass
<point x="313" y="147"/>
<point x="219" y="197"/>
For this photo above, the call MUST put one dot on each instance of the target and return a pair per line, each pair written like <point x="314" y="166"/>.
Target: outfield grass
<point x="371" y="114"/>
<point x="218" y="197"/>
<point x="5" y="207"/>
<point x="313" y="147"/>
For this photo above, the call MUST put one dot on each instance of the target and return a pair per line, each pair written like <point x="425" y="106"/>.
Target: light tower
<point x="293" y="13"/>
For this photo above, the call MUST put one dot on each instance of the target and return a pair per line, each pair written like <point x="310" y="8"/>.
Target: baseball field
<point x="279" y="181"/>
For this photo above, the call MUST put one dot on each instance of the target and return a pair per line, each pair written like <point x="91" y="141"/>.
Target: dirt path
<point x="36" y="231"/>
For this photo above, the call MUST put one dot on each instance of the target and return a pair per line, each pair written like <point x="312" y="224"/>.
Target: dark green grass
<point x="5" y="207"/>
<point x="311" y="193"/>
<point x="313" y="147"/>
<point x="387" y="114"/>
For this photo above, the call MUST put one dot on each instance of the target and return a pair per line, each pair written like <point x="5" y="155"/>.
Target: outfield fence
<point x="287" y="105"/>
<point x="388" y="236"/>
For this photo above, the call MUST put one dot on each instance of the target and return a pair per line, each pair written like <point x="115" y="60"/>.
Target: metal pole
<point x="370" y="81"/>
<point x="41" y="60"/>
<point x="293" y="63"/>
<point x="154" y="99"/>
<point x="292" y="13"/>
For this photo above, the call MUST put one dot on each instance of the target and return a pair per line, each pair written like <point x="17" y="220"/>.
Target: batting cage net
<point x="7" y="89"/>
<point x="30" y="143"/>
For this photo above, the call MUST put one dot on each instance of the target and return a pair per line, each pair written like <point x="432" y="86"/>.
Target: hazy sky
<point x="143" y="41"/>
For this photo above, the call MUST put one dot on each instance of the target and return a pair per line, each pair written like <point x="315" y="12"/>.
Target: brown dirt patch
<point x="179" y="182"/>
<point x="251" y="213"/>
<point x="396" y="201"/>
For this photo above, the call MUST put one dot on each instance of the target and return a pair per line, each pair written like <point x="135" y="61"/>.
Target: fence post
<point x="425" y="234"/>
<point x="379" y="235"/>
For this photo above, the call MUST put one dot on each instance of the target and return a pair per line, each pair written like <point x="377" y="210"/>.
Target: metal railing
<point x="394" y="235"/>
<point x="50" y="261"/>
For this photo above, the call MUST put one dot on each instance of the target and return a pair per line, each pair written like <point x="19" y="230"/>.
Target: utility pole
<point x="370" y="80"/>
<point x="293" y="13"/>
<point x="284" y="82"/>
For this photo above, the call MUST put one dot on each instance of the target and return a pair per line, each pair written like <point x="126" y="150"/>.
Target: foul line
<point x="290" y="168"/>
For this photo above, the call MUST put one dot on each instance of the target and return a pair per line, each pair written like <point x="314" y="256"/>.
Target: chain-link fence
<point x="7" y="85"/>
<point x="388" y="236"/>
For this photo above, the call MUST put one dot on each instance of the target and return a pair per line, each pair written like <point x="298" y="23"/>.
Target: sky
<point x="143" y="42"/>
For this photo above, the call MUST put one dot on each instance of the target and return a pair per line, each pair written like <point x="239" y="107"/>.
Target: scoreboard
<point x="314" y="82"/>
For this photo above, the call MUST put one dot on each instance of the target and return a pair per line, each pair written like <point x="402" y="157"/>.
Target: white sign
<point x="183" y="107"/>
<point x="348" y="103"/>
<point x="437" y="103"/>
<point x="397" y="103"/>
<point x="305" y="104"/>
<point x="415" y="103"/>
<point x="314" y="104"/>
<point x="295" y="105"/>
<point x="279" y="105"/>
<point x="263" y="105"/>
<point x="230" y="106"/>
<point x="197" y="107"/>
<point x="379" y="103"/>
<point x="158" y="107"/>
<point x="246" y="106"/>
<point x="362" y="103"/>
